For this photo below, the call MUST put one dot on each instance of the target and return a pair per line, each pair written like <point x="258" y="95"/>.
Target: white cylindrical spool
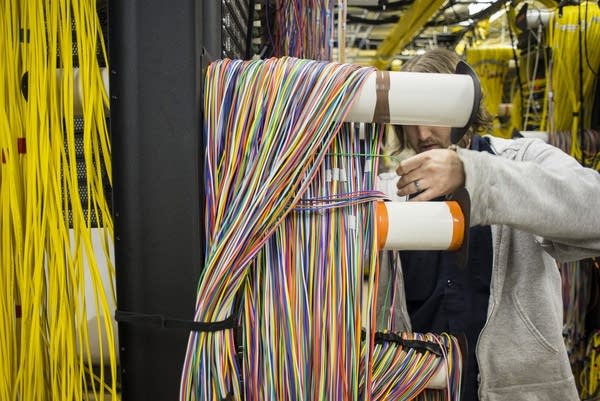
<point x="535" y="17"/>
<point x="420" y="226"/>
<point x="78" y="88"/>
<point x="97" y="335"/>
<point x="439" y="381"/>
<point x="504" y="109"/>
<point x="417" y="98"/>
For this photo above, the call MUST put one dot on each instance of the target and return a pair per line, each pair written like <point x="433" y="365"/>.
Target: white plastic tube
<point x="78" y="94"/>
<point x="419" y="226"/>
<point x="414" y="98"/>
<point x="417" y="98"/>
<point x="439" y="381"/>
<point x="97" y="336"/>
<point x="535" y="17"/>
<point x="504" y="109"/>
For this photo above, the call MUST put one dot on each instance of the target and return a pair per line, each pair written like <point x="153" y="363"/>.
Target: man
<point x="530" y="202"/>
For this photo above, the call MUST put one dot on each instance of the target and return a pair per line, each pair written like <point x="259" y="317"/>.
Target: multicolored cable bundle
<point x="304" y="299"/>
<point x="405" y="364"/>
<point x="576" y="294"/>
<point x="304" y="29"/>
<point x="290" y="234"/>
<point x="45" y="254"/>
<point x="303" y="303"/>
<point x="268" y="126"/>
<point x="590" y="151"/>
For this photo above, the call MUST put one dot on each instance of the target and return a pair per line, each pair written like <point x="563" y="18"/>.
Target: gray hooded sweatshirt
<point x="541" y="204"/>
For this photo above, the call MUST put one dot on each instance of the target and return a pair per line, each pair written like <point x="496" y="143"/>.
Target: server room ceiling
<point x="379" y="32"/>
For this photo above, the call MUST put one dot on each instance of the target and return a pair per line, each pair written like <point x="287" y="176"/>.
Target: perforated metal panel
<point x="234" y="27"/>
<point x="95" y="220"/>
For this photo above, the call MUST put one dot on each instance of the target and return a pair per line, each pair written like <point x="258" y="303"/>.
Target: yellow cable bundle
<point x="11" y="195"/>
<point x="532" y="71"/>
<point x="491" y="65"/>
<point x="45" y="263"/>
<point x="516" y="121"/>
<point x="566" y="108"/>
<point x="589" y="378"/>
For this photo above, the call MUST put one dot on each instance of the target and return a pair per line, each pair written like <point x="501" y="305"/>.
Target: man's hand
<point x="434" y="173"/>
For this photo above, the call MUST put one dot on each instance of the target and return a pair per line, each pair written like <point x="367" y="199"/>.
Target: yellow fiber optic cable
<point x="11" y="195"/>
<point x="566" y="109"/>
<point x="491" y="65"/>
<point x="47" y="257"/>
<point x="590" y="375"/>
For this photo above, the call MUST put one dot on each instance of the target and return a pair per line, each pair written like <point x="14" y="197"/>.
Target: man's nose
<point x="424" y="132"/>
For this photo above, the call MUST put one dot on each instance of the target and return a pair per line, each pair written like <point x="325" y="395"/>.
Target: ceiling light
<point x="474" y="8"/>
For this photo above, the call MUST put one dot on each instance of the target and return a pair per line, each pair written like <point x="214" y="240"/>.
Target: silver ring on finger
<point x="416" y="182"/>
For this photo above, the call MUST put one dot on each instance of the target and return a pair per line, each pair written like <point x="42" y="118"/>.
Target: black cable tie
<point x="390" y="337"/>
<point x="169" y="323"/>
<point x="25" y="84"/>
<point x="423" y="345"/>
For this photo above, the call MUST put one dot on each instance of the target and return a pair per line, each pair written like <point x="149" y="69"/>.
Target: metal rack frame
<point x="156" y="58"/>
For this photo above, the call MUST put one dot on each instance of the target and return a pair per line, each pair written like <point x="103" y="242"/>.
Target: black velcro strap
<point x="423" y="345"/>
<point x="388" y="337"/>
<point x="169" y="323"/>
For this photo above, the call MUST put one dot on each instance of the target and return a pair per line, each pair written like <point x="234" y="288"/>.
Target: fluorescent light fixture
<point x="466" y="23"/>
<point x="474" y="8"/>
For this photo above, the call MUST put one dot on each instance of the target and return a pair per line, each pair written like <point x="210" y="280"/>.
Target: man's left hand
<point x="432" y="173"/>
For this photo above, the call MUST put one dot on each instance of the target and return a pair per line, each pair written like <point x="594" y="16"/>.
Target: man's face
<point x="423" y="138"/>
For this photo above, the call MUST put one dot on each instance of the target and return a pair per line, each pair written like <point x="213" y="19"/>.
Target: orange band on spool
<point x="381" y="220"/>
<point x="458" y="225"/>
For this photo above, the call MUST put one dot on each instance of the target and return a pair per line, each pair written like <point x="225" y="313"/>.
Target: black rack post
<point x="155" y="49"/>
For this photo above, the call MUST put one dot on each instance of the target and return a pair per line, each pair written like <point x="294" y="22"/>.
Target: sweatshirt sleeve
<point x="545" y="192"/>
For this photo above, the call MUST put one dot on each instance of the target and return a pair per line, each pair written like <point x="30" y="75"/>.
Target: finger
<point x="411" y="188"/>
<point x="410" y="164"/>
<point x="406" y="189"/>
<point x="405" y="167"/>
<point x="407" y="179"/>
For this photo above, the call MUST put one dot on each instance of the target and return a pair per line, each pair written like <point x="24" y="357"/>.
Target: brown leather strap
<point x="382" y="90"/>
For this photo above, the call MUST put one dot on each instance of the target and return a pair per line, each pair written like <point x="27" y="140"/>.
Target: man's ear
<point x="465" y="141"/>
